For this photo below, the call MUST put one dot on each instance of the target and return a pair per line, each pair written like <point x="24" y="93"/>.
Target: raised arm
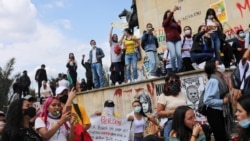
<point x="110" y="35"/>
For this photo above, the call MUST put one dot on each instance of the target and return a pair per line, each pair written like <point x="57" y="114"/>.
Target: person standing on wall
<point x="88" y="74"/>
<point x="150" y="45"/>
<point x="116" y="56"/>
<point x="72" y="67"/>
<point x="173" y="30"/>
<point x="25" y="84"/>
<point x="40" y="76"/>
<point x="95" y="55"/>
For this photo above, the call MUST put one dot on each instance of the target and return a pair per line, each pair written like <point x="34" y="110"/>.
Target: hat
<point x="2" y="113"/>
<point x="29" y="98"/>
<point x="109" y="103"/>
<point x="60" y="89"/>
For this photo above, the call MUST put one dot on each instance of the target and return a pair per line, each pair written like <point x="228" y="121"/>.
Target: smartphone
<point x="68" y="108"/>
<point x="178" y="7"/>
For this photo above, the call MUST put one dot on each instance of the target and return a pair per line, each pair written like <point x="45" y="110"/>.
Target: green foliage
<point x="6" y="82"/>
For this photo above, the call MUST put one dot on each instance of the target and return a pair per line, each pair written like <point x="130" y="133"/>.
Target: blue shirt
<point x="212" y="94"/>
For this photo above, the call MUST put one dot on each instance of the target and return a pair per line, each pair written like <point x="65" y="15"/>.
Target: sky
<point x="37" y="32"/>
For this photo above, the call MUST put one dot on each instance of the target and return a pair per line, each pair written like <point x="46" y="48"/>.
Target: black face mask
<point x="63" y="99"/>
<point x="174" y="87"/>
<point x="31" y="112"/>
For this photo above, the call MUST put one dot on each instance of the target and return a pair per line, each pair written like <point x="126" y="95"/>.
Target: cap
<point x="109" y="103"/>
<point x="60" y="89"/>
<point x="29" y="98"/>
<point x="2" y="113"/>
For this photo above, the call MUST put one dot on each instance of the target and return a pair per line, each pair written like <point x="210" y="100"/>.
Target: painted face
<point x="54" y="106"/>
<point x="192" y="94"/>
<point x="190" y="119"/>
<point x="241" y="114"/>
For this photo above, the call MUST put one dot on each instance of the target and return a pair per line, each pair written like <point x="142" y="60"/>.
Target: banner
<point x="220" y="9"/>
<point x="107" y="128"/>
<point x="119" y="24"/>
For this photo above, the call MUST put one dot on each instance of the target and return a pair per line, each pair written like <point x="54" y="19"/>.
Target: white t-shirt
<point x="172" y="102"/>
<point x="242" y="69"/>
<point x="138" y="126"/>
<point x="64" y="83"/>
<point x="187" y="45"/>
<point x="94" y="60"/>
<point x="60" y="135"/>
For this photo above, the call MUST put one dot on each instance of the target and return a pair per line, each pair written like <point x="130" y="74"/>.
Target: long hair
<point x="211" y="11"/>
<point x="128" y="30"/>
<point x="14" y="121"/>
<point x="166" y="90"/>
<point x="141" y="112"/>
<point x="183" y="133"/>
<point x="210" y="68"/>
<point x="166" y="16"/>
<point x="44" y="113"/>
<point x="73" y="56"/>
<point x="244" y="101"/>
<point x="143" y="95"/>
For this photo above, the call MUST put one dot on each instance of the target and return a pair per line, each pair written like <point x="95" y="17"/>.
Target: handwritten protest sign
<point x="106" y="128"/>
<point x="119" y="24"/>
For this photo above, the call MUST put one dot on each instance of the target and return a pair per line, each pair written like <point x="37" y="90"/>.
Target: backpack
<point x="246" y="88"/>
<point x="79" y="133"/>
<point x="235" y="77"/>
<point x="202" y="108"/>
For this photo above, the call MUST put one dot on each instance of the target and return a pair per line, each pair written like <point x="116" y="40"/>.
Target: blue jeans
<point x="216" y="45"/>
<point x="175" y="53"/>
<point x="131" y="59"/>
<point x="167" y="129"/>
<point x="138" y="138"/>
<point x="97" y="75"/>
<point x="153" y="62"/>
<point x="201" y="57"/>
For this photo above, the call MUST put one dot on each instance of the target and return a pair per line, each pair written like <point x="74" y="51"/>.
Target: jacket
<point x="87" y="66"/>
<point x="41" y="75"/>
<point x="199" y="42"/>
<point x="172" y="29"/>
<point x="99" y="52"/>
<point x="149" y="42"/>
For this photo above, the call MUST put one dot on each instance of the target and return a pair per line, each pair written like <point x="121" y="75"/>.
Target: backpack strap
<point x="76" y="107"/>
<point x="184" y="39"/>
<point x="245" y="71"/>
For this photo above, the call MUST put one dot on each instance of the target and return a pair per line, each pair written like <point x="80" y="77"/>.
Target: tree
<point x="6" y="82"/>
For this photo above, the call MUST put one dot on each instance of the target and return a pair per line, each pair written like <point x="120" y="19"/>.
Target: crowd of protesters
<point x="58" y="115"/>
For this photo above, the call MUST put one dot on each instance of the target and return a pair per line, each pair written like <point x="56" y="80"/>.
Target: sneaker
<point x="128" y="81"/>
<point x="195" y="66"/>
<point x="135" y="80"/>
<point x="116" y="83"/>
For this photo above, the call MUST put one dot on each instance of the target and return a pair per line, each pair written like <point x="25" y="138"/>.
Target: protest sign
<point x="107" y="128"/>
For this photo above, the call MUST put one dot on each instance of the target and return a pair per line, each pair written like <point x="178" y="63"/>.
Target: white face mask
<point x="221" y="68"/>
<point x="109" y="111"/>
<point x="242" y="35"/>
<point x="187" y="32"/>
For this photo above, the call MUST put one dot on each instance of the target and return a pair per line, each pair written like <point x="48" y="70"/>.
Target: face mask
<point x="221" y="68"/>
<point x="210" y="16"/>
<point x="109" y="111"/>
<point x="63" y="99"/>
<point x="174" y="87"/>
<point x="242" y="35"/>
<point x="31" y="112"/>
<point x="187" y="32"/>
<point x="137" y="109"/>
<point x="245" y="123"/>
<point x="53" y="116"/>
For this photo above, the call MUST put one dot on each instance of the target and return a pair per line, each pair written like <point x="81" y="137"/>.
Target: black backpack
<point x="235" y="77"/>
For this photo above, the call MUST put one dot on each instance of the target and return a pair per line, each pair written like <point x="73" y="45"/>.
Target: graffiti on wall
<point x="192" y="15"/>
<point x="244" y="6"/>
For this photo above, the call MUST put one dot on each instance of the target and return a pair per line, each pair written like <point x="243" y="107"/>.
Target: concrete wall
<point x="234" y="14"/>
<point x="192" y="85"/>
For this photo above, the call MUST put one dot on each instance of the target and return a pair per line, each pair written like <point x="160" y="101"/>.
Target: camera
<point x="152" y="29"/>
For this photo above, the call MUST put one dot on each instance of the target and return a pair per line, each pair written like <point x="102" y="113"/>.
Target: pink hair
<point x="44" y="113"/>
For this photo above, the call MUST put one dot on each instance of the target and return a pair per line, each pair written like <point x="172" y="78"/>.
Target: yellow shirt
<point x="130" y="45"/>
<point x="85" y="117"/>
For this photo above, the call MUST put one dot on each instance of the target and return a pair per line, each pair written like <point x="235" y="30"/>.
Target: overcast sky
<point x="39" y="32"/>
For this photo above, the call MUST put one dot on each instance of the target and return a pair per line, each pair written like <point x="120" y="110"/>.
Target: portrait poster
<point x="108" y="128"/>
